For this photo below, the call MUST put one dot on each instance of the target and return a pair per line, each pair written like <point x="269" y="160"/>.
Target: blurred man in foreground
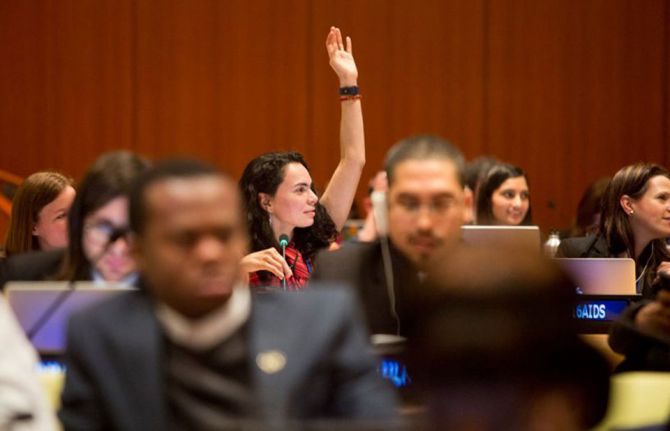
<point x="193" y="348"/>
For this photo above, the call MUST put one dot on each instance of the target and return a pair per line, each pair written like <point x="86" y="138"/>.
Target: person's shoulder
<point x="585" y="246"/>
<point x="35" y="265"/>
<point x="350" y="255"/>
<point x="123" y="305"/>
<point x="321" y="299"/>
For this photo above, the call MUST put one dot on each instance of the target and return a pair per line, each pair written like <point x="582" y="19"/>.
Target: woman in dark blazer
<point x="635" y="223"/>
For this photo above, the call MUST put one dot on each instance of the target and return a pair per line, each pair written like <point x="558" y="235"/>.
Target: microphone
<point x="380" y="212"/>
<point x="283" y="243"/>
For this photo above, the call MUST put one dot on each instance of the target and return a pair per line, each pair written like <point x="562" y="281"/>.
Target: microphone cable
<point x="50" y="311"/>
<point x="387" y="262"/>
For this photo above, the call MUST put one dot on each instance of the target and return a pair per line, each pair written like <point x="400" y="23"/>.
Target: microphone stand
<point x="283" y="255"/>
<point x="283" y="242"/>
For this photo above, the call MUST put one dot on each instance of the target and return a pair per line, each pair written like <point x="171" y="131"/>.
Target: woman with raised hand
<point x="280" y="198"/>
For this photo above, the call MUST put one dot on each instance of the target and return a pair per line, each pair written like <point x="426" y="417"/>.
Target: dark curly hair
<point x="264" y="174"/>
<point x="497" y="175"/>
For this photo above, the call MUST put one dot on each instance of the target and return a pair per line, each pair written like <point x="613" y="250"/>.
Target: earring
<point x="631" y="212"/>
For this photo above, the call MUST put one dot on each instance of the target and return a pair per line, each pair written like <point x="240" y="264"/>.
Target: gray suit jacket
<point x="115" y="362"/>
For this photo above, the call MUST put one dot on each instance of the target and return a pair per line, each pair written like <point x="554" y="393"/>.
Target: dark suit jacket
<point x="32" y="266"/>
<point x="115" y="362"/>
<point x="361" y="266"/>
<point x="587" y="246"/>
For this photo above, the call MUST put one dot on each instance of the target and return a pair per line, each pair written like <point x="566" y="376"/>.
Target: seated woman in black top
<point x="635" y="222"/>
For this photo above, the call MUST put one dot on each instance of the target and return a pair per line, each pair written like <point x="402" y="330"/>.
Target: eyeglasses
<point x="435" y="208"/>
<point x="104" y="233"/>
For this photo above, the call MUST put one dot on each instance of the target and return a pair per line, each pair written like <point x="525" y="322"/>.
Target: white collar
<point x="211" y="329"/>
<point x="98" y="280"/>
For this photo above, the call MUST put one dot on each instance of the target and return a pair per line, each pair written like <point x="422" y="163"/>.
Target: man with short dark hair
<point x="426" y="204"/>
<point x="192" y="348"/>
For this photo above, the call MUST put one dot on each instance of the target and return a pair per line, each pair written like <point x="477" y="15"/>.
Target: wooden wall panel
<point x="22" y="84"/>
<point x="568" y="90"/>
<point x="224" y="81"/>
<point x="420" y="72"/>
<point x="574" y="94"/>
<point x="67" y="85"/>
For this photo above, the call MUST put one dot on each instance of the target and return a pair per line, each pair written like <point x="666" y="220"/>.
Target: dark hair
<point x="109" y="177"/>
<point x="632" y="180"/>
<point x="497" y="175"/>
<point x="264" y="174"/>
<point x="176" y="168"/>
<point x="423" y="147"/>
<point x="589" y="207"/>
<point x="34" y="193"/>
<point x="476" y="170"/>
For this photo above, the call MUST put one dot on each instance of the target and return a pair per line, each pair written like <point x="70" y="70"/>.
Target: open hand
<point x="341" y="58"/>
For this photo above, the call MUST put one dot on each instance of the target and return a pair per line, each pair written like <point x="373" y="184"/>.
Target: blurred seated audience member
<point x="378" y="184"/>
<point x="635" y="222"/>
<point x="281" y="200"/>
<point x="589" y="209"/>
<point x="494" y="347"/>
<point x="642" y="332"/>
<point x="427" y="205"/>
<point x="196" y="350"/>
<point x="39" y="213"/>
<point x="23" y="402"/>
<point x="98" y="246"/>
<point x="475" y="171"/>
<point x="503" y="197"/>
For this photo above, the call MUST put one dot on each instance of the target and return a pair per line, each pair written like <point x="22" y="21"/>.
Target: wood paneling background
<point x="569" y="90"/>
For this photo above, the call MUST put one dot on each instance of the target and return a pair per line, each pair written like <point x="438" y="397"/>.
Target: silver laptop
<point x="601" y="276"/>
<point x="527" y="237"/>
<point x="43" y="308"/>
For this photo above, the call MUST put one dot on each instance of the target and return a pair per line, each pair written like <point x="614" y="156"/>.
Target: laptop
<point x="43" y="308"/>
<point x="605" y="287"/>
<point x="527" y="237"/>
<point x="601" y="276"/>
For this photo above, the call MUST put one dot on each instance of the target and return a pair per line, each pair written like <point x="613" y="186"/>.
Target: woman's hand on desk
<point x="654" y="318"/>
<point x="266" y="260"/>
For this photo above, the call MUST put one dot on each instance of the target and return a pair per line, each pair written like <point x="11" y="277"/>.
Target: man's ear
<point x="265" y="201"/>
<point x="35" y="233"/>
<point x="627" y="204"/>
<point x="468" y="210"/>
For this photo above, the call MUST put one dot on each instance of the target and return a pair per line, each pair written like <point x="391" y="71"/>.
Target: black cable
<point x="49" y="312"/>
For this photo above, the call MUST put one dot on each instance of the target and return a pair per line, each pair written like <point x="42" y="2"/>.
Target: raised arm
<point x="341" y="189"/>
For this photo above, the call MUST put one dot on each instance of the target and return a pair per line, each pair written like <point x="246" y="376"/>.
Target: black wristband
<point x="349" y="91"/>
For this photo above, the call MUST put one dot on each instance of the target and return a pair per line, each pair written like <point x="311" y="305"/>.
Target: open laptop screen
<point x="43" y="308"/>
